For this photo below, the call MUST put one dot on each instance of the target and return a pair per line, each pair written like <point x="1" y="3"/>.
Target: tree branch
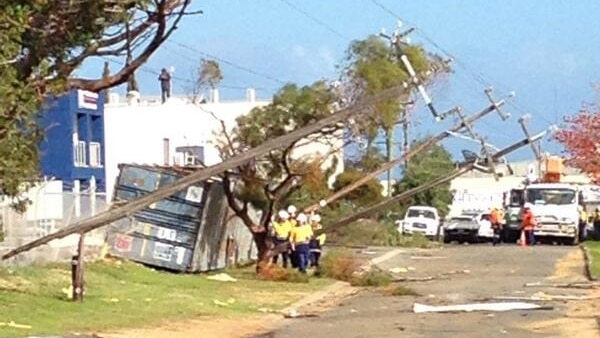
<point x="162" y="33"/>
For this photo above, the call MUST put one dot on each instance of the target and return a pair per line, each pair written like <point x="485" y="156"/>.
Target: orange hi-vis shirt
<point x="528" y="222"/>
<point x="495" y="217"/>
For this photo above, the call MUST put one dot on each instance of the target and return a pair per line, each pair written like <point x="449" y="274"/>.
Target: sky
<point x="544" y="51"/>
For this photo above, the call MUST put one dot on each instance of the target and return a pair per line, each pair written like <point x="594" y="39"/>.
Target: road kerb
<point x="339" y="289"/>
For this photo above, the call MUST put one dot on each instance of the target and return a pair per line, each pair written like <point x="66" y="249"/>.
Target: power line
<point x="178" y="79"/>
<point x="227" y="62"/>
<point x="479" y="77"/>
<point x="316" y="20"/>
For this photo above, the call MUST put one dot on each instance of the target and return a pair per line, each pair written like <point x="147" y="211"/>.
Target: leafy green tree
<point x="372" y="65"/>
<point x="281" y="176"/>
<point x="425" y="167"/>
<point x="208" y="75"/>
<point x="365" y="195"/>
<point x="42" y="44"/>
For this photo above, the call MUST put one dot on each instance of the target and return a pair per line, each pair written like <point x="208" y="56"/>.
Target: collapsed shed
<point x="193" y="230"/>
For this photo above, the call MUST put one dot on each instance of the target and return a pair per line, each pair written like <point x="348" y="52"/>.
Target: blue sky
<point x="546" y="51"/>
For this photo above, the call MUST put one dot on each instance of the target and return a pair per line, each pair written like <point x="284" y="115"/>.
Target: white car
<point x="420" y="219"/>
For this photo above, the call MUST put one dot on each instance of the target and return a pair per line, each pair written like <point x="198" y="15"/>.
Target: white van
<point x="420" y="219"/>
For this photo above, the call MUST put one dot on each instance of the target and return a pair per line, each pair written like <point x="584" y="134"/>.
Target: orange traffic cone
<point x="523" y="241"/>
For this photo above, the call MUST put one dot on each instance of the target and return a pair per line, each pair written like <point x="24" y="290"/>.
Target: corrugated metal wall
<point x="189" y="231"/>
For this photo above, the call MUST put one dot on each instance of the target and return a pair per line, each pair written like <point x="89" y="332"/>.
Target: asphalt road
<point x="477" y="273"/>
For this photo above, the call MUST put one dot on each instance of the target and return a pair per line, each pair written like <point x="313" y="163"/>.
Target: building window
<point x="45" y="227"/>
<point x="79" y="154"/>
<point x="95" y="154"/>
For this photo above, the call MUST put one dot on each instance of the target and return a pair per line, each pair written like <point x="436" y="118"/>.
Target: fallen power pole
<point x="402" y="196"/>
<point x="430" y="142"/>
<point x="140" y="203"/>
<point x="463" y="168"/>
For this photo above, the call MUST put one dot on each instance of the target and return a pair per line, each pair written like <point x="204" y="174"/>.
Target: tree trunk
<point x="264" y="248"/>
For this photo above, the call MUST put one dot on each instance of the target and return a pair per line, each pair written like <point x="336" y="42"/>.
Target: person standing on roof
<point x="316" y="242"/>
<point x="300" y="237"/>
<point x="281" y="230"/>
<point x="495" y="220"/>
<point x="165" y="84"/>
<point x="528" y="224"/>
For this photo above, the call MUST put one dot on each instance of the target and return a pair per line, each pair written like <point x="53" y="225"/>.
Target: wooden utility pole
<point x="535" y="146"/>
<point x="463" y="168"/>
<point x="430" y="142"/>
<point x="200" y="175"/>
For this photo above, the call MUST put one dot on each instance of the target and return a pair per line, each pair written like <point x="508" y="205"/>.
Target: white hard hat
<point x="292" y="209"/>
<point x="315" y="218"/>
<point x="283" y="214"/>
<point x="301" y="218"/>
<point x="528" y="205"/>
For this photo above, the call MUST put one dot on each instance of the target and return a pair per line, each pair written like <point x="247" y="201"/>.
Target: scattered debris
<point x="576" y="285"/>
<point x="266" y="310"/>
<point x="445" y="275"/>
<point x="220" y="303"/>
<point x="540" y="296"/>
<point x="414" y="279"/>
<point x="301" y="315"/>
<point x="428" y="257"/>
<point x="114" y="300"/>
<point x="15" y="325"/>
<point x="398" y="270"/>
<point x="222" y="277"/>
<point x="506" y="306"/>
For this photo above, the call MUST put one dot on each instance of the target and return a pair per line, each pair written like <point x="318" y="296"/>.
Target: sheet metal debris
<point x="503" y="306"/>
<point x="222" y="277"/>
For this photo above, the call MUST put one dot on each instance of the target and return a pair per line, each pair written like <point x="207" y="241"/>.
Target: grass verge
<point x="593" y="249"/>
<point x="123" y="294"/>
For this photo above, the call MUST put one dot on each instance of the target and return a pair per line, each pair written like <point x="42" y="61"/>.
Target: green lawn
<point x="594" y="250"/>
<point x="122" y="294"/>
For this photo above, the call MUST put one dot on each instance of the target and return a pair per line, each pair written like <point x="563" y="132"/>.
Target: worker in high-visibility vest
<point x="528" y="224"/>
<point x="495" y="220"/>
<point x="291" y="210"/>
<point x="281" y="230"/>
<point x="316" y="242"/>
<point x="300" y="237"/>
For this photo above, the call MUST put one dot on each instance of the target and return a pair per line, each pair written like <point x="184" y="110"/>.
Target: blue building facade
<point x="74" y="146"/>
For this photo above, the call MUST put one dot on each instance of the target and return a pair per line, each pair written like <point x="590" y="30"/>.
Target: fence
<point x="50" y="209"/>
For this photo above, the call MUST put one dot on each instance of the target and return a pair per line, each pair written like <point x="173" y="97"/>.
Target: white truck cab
<point x="555" y="207"/>
<point x="420" y="219"/>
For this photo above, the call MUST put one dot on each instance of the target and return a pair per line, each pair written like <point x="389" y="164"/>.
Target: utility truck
<point x="555" y="205"/>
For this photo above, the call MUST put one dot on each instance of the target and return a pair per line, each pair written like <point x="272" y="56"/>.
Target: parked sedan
<point x="463" y="228"/>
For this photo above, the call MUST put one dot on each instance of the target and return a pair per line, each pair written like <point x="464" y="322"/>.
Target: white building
<point x="179" y="132"/>
<point x="477" y="191"/>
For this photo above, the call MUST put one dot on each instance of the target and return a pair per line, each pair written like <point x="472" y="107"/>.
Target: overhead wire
<point x="227" y="62"/>
<point x="178" y="79"/>
<point x="477" y="76"/>
<point x="315" y="19"/>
